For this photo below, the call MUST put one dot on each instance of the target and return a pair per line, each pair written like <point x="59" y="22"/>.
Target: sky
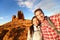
<point x="8" y="8"/>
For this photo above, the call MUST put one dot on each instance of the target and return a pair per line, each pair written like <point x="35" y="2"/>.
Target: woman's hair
<point x="32" y="28"/>
<point x="33" y="18"/>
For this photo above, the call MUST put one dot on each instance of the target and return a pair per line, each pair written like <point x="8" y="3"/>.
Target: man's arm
<point x="56" y="21"/>
<point x="59" y="18"/>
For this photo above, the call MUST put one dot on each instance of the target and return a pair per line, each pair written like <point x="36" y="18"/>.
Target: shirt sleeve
<point x="56" y="21"/>
<point x="55" y="17"/>
<point x="59" y="18"/>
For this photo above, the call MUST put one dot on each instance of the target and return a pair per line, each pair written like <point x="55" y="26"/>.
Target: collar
<point x="36" y="28"/>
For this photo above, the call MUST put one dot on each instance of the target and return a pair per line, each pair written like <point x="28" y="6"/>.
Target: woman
<point x="34" y="32"/>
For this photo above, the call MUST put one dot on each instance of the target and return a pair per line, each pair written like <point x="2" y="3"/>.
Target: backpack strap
<point x="52" y="25"/>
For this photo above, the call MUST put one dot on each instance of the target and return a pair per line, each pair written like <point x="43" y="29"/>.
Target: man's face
<point x="39" y="15"/>
<point x="35" y="22"/>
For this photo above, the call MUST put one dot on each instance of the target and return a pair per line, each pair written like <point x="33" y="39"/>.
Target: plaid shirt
<point x="48" y="32"/>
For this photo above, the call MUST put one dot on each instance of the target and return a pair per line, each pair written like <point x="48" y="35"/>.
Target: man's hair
<point x="39" y="9"/>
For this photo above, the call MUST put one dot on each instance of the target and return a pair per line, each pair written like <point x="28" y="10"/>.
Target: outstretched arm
<point x="56" y="20"/>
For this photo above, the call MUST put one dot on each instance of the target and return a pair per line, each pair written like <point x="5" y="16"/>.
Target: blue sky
<point x="8" y="8"/>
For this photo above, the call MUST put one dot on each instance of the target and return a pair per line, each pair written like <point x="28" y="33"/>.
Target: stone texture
<point x="13" y="17"/>
<point x="20" y="15"/>
<point x="16" y="23"/>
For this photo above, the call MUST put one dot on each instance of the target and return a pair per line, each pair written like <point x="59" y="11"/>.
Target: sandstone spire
<point x="20" y="15"/>
<point x="13" y="17"/>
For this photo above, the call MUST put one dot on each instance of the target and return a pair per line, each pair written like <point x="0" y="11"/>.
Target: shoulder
<point x="30" y="27"/>
<point x="55" y="16"/>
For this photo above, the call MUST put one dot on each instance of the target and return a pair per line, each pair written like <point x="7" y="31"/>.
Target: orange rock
<point x="18" y="21"/>
<point x="20" y="15"/>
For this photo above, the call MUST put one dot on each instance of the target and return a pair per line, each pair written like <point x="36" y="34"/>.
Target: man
<point x="49" y="33"/>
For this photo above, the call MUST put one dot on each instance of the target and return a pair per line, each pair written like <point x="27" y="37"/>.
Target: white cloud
<point x="28" y="4"/>
<point x="23" y="3"/>
<point x="1" y="18"/>
<point x="4" y="20"/>
<point x="49" y="5"/>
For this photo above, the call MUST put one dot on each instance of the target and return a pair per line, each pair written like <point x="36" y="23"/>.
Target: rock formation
<point x="20" y="15"/>
<point x="13" y="17"/>
<point x="16" y="23"/>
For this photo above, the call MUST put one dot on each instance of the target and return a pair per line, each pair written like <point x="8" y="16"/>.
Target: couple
<point x="44" y="28"/>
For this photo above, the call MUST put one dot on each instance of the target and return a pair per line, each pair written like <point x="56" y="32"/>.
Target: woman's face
<point x="35" y="21"/>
